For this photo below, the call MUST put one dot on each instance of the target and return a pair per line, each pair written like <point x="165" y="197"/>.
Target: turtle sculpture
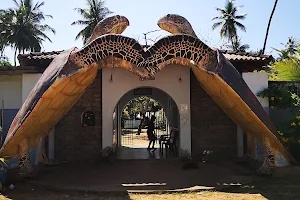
<point x="223" y="83"/>
<point x="58" y="89"/>
<point x="72" y="71"/>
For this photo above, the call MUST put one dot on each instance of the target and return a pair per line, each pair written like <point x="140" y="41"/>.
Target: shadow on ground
<point x="284" y="184"/>
<point x="118" y="180"/>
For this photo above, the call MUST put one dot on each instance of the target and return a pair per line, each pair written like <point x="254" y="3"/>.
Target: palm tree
<point x="290" y="50"/>
<point x="3" y="31"/>
<point x="23" y="26"/>
<point x="95" y="12"/>
<point x="291" y="46"/>
<point x="236" y="46"/>
<point x="269" y="24"/>
<point x="228" y="20"/>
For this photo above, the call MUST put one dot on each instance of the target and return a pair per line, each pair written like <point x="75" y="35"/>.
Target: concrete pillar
<point x="240" y="142"/>
<point x="51" y="139"/>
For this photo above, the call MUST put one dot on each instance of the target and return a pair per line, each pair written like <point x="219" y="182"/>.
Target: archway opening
<point x="132" y="125"/>
<point x="135" y="120"/>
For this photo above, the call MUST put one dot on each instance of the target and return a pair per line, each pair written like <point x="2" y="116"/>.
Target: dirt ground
<point x="33" y="193"/>
<point x="284" y="185"/>
<point x="272" y="189"/>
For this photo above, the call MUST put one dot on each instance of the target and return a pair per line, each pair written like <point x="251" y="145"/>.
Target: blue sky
<point x="143" y="17"/>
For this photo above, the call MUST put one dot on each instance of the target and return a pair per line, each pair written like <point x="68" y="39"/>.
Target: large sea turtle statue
<point x="63" y="83"/>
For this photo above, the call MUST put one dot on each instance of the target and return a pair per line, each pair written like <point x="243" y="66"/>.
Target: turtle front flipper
<point x="24" y="159"/>
<point x="59" y="88"/>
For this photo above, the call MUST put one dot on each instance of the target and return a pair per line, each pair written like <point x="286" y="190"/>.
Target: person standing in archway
<point x="150" y="132"/>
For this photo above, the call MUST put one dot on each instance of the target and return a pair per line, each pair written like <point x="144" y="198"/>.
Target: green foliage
<point x="288" y="130"/>
<point x="228" y="21"/>
<point x="3" y="166"/>
<point x="289" y="133"/>
<point x="280" y="98"/>
<point x="94" y="13"/>
<point x="291" y="48"/>
<point x="236" y="46"/>
<point x="3" y="162"/>
<point x="287" y="65"/>
<point x="286" y="69"/>
<point x="140" y="105"/>
<point x="21" y="27"/>
<point x="4" y="63"/>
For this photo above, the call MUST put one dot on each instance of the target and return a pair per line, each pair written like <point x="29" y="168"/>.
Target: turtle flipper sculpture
<point x="221" y="81"/>
<point x="59" y="88"/>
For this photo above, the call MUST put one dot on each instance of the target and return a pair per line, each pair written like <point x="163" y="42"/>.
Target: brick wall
<point x="211" y="128"/>
<point x="74" y="142"/>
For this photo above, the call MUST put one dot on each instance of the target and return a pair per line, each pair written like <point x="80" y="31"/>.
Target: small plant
<point x="109" y="151"/>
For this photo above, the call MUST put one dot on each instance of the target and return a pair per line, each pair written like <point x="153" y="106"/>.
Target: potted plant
<point x="109" y="153"/>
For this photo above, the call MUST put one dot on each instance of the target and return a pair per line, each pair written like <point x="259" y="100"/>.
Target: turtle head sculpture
<point x="176" y="24"/>
<point x="111" y="25"/>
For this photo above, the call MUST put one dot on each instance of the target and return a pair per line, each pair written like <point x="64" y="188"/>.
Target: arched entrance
<point x="173" y="80"/>
<point x="129" y="131"/>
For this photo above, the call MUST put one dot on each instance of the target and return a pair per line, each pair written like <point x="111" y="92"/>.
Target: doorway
<point x="131" y="119"/>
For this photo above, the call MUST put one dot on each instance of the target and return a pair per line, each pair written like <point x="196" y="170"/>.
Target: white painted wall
<point x="166" y="80"/>
<point x="15" y="89"/>
<point x="28" y="82"/>
<point x="256" y="82"/>
<point x="11" y="91"/>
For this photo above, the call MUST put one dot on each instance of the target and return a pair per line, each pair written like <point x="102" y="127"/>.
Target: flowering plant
<point x="280" y="98"/>
<point x="288" y="130"/>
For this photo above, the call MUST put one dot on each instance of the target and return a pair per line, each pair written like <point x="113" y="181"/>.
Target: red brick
<point x="74" y="142"/>
<point x="211" y="128"/>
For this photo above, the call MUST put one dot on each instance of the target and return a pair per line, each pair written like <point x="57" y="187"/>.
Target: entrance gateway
<point x="221" y="81"/>
<point x="132" y="143"/>
<point x="171" y="88"/>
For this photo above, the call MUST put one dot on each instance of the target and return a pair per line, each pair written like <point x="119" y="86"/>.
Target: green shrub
<point x="4" y="63"/>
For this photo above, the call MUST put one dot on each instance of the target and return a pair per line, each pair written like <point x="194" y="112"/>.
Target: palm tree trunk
<point x="15" y="57"/>
<point x="267" y="33"/>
